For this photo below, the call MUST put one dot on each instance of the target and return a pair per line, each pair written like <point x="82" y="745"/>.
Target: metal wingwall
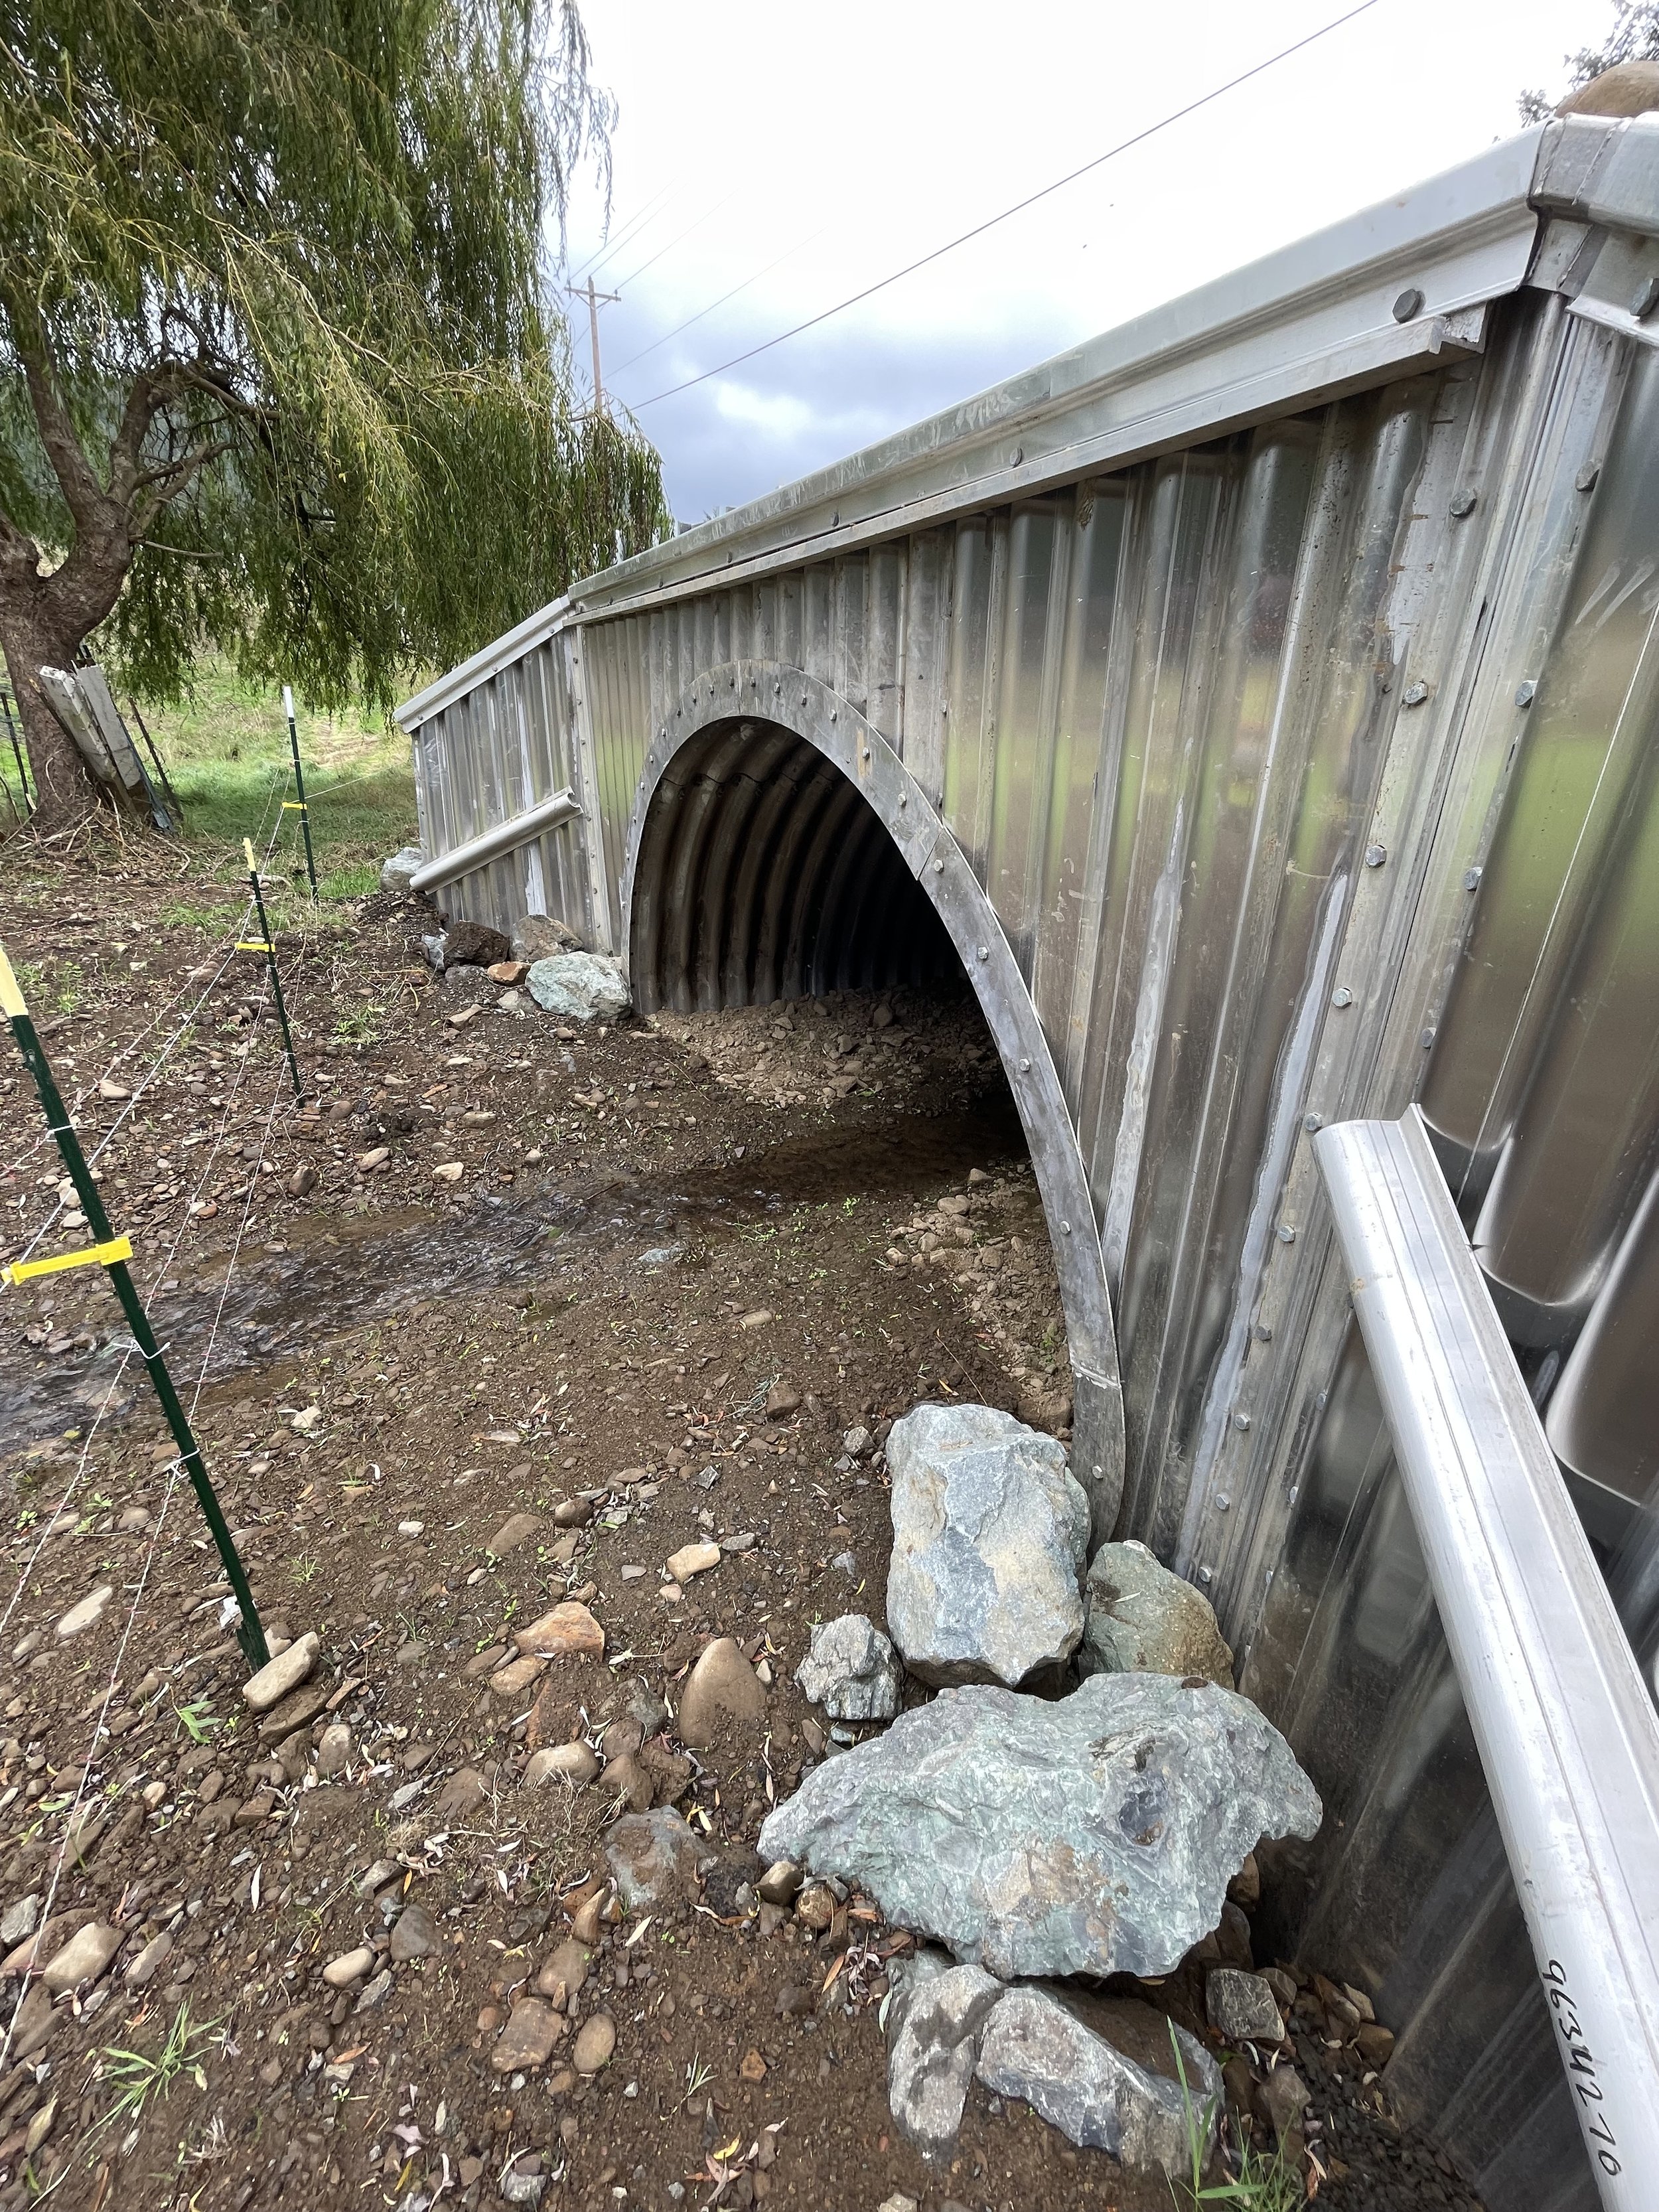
<point x="493" y="753"/>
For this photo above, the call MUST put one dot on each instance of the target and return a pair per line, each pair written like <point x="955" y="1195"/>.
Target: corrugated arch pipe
<point x="776" y="880"/>
<point x="767" y="861"/>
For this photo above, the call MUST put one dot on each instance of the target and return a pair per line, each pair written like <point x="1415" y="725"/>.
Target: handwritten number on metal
<point x="1581" y="2065"/>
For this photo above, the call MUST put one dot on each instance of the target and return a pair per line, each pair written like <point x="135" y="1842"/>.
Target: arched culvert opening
<point x="764" y="873"/>
<point x="793" y="856"/>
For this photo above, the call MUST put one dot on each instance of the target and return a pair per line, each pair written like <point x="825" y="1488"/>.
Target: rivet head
<point x="1285" y="1233"/>
<point x="983" y="951"/>
<point x="938" y="867"/>
<point x="1310" y="1122"/>
<point x="1064" y="1228"/>
<point x="868" y="754"/>
<point x="1526" y="692"/>
<point x="1462" y="503"/>
<point x="1472" y="880"/>
<point x="1414" y="694"/>
<point x="1427" y="1040"/>
<point x="1025" y="1067"/>
<point x="1376" y="855"/>
<point x="1342" y="996"/>
<point x="1409" y="304"/>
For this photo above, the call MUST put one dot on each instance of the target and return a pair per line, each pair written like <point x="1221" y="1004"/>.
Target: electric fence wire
<point x="70" y="1832"/>
<point x="104" y="1142"/>
<point x="94" y="1083"/>
<point x="979" y="229"/>
<point x="52" y="1519"/>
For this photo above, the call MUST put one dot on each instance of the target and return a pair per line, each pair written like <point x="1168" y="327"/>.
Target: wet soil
<point x="490" y="1267"/>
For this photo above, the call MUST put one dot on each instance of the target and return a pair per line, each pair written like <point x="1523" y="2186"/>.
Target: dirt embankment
<point x="505" y="1316"/>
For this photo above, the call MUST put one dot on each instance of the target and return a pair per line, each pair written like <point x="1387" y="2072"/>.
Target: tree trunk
<point x="64" y="789"/>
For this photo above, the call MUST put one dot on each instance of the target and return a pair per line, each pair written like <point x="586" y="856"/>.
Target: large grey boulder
<point x="539" y="937"/>
<point x="933" y="2024"/>
<point x="1140" y="1619"/>
<point x="1093" y="1835"/>
<point x="990" y="1532"/>
<point x="399" y="872"/>
<point x="579" y="986"/>
<point x="851" y="1670"/>
<point x="1043" y="2049"/>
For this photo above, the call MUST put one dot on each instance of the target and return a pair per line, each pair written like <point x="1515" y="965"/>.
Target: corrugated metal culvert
<point x="1264" y="702"/>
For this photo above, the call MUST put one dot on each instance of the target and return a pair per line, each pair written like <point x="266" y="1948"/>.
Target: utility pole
<point x="595" y="300"/>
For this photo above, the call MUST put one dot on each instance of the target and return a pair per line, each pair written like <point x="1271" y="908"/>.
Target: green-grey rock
<point x="1138" y="1619"/>
<point x="851" y="1670"/>
<point x="1044" y="2049"/>
<point x="933" y="2024"/>
<point x="579" y="986"/>
<point x="1093" y="1835"/>
<point x="990" y="1532"/>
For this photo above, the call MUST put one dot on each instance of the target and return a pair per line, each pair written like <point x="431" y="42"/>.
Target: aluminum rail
<point x="490" y="844"/>
<point x="1566" y="1734"/>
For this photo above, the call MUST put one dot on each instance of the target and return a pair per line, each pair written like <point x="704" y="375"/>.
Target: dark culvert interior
<point x="765" y="874"/>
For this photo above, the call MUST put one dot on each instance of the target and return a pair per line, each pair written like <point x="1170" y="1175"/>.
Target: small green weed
<point x="137" y="2077"/>
<point x="198" y="1720"/>
<point x="1261" y="2184"/>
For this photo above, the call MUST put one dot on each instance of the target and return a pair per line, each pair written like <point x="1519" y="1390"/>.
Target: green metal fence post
<point x="297" y="805"/>
<point x="266" y="944"/>
<point x="112" y="1253"/>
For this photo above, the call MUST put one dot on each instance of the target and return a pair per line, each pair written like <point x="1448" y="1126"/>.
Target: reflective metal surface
<point x="498" y="751"/>
<point x="1278" y="681"/>
<point x="1569" y="1741"/>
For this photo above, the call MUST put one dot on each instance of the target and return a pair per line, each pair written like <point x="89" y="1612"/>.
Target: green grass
<point x="227" y="751"/>
<point x="136" y="2077"/>
<point x="1259" y="2186"/>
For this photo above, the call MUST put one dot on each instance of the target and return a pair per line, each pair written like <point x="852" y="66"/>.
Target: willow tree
<point x="279" y="371"/>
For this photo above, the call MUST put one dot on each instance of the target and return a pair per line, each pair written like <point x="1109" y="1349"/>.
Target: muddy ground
<point x="491" y="1266"/>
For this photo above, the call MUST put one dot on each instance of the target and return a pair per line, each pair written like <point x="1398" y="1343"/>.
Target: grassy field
<point x="226" y="748"/>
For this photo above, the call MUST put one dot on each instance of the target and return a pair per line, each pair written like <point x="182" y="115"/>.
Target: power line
<point x="799" y="246"/>
<point x="1139" y="138"/>
<point x="678" y="239"/>
<point x="640" y="220"/>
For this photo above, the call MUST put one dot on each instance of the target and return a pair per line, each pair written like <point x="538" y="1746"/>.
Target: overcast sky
<point x="801" y="154"/>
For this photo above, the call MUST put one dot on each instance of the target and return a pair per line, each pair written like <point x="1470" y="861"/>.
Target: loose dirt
<point x="665" y="1285"/>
